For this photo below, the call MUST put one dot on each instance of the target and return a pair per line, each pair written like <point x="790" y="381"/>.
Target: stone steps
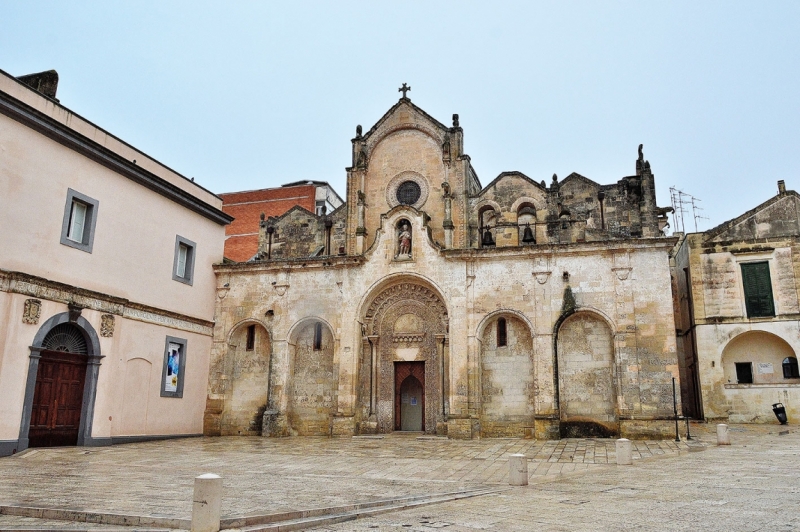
<point x="332" y="515"/>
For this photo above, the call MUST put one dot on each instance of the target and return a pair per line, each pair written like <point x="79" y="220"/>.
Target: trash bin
<point x="780" y="412"/>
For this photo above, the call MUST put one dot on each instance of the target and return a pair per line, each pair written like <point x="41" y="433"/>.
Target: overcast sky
<point x="253" y="95"/>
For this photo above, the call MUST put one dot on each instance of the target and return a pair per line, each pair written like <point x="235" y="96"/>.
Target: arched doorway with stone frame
<point x="403" y="362"/>
<point x="587" y="383"/>
<point x="61" y="388"/>
<point x="247" y="369"/>
<point x="508" y="385"/>
<point x="314" y="379"/>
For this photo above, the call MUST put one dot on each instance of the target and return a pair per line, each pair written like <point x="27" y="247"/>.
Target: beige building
<point x="736" y="290"/>
<point x="429" y="302"/>
<point x="106" y="287"/>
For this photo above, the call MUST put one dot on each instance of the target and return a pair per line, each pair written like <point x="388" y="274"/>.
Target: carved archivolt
<point x="403" y="292"/>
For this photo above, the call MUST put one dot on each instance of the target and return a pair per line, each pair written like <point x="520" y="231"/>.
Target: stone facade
<point x="722" y="335"/>
<point x="515" y="309"/>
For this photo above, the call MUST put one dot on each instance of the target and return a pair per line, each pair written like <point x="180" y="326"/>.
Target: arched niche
<point x="488" y="217"/>
<point x="761" y="354"/>
<point x="526" y="220"/>
<point x="314" y="381"/>
<point x="404" y="331"/>
<point x="42" y="347"/>
<point x="246" y="366"/>
<point x="586" y="376"/>
<point x="507" y="376"/>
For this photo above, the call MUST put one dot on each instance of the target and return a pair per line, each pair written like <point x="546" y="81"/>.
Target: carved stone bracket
<point x="542" y="276"/>
<point x="31" y="311"/>
<point x="622" y="273"/>
<point x="280" y="288"/>
<point x="107" y="325"/>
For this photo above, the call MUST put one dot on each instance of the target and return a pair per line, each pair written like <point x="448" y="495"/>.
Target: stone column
<point x="207" y="503"/>
<point x="723" y="438"/>
<point x="624" y="452"/>
<point x="518" y="470"/>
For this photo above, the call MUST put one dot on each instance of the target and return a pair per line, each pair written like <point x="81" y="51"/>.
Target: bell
<point x="527" y="235"/>
<point x="487" y="241"/>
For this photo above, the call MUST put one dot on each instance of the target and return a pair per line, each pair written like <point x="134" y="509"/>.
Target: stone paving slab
<point x="274" y="475"/>
<point x="752" y="485"/>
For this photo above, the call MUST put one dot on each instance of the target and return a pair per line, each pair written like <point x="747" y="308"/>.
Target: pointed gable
<point x="776" y="217"/>
<point x="404" y="115"/>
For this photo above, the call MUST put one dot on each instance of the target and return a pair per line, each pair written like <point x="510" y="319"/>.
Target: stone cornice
<point x="65" y="136"/>
<point x="574" y="248"/>
<point x="39" y="287"/>
<point x="305" y="263"/>
<point x="498" y="253"/>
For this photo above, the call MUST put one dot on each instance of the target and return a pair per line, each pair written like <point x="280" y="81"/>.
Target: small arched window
<point x="502" y="333"/>
<point x="790" y="370"/>
<point x="317" y="336"/>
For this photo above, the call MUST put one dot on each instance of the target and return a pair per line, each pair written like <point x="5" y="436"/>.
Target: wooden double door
<point x="57" y="399"/>
<point x="409" y="396"/>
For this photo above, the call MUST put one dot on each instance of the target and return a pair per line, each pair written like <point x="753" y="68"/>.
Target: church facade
<point x="428" y="302"/>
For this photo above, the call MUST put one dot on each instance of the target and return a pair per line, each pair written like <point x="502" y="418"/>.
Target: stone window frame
<point x="399" y="179"/>
<point x="90" y="222"/>
<point x="188" y="271"/>
<point x="750" y="258"/>
<point x="178" y="393"/>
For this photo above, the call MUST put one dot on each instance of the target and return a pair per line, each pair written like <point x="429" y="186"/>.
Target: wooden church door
<point x="409" y="396"/>
<point x="57" y="400"/>
<point x="58" y="395"/>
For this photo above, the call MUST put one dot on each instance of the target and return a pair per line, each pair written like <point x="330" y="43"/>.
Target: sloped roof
<point x="728" y="230"/>
<point x="504" y="175"/>
<point x="394" y="108"/>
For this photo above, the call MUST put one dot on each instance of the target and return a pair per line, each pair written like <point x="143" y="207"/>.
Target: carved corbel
<point x="542" y="276"/>
<point x="622" y="273"/>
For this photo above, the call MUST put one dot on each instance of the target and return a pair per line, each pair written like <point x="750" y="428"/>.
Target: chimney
<point x="43" y="82"/>
<point x="781" y="187"/>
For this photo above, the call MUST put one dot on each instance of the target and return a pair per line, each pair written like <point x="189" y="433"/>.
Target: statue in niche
<point x="404" y="241"/>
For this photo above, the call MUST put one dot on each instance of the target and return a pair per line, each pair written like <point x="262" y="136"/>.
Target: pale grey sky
<point x="245" y="95"/>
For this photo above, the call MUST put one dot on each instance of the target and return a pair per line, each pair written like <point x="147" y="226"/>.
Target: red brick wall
<point x="241" y="235"/>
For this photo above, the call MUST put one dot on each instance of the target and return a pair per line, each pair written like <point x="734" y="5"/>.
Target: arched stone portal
<point x="586" y="379"/>
<point x="404" y="324"/>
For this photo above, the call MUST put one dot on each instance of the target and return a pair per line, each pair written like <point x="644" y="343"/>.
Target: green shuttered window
<point x="757" y="289"/>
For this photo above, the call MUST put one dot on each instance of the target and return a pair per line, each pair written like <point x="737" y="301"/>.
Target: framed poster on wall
<point x="173" y="373"/>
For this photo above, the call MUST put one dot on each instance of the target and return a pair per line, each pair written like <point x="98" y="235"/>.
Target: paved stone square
<point x="575" y="484"/>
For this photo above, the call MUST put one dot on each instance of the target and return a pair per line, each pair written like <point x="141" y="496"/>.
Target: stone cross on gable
<point x="404" y="89"/>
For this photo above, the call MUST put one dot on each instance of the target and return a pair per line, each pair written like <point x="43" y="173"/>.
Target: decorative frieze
<point x="31" y="311"/>
<point x="106" y="325"/>
<point x="80" y="298"/>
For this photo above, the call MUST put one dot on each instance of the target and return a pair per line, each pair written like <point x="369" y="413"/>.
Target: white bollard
<point x="723" y="438"/>
<point x="624" y="452"/>
<point x="518" y="470"/>
<point x="207" y="503"/>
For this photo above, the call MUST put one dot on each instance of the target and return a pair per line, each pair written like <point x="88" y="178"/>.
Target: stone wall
<point x="312" y="400"/>
<point x="508" y="387"/>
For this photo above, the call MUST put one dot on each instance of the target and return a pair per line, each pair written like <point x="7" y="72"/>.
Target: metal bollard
<point x="624" y="452"/>
<point x="722" y="435"/>
<point x="207" y="503"/>
<point x="518" y="470"/>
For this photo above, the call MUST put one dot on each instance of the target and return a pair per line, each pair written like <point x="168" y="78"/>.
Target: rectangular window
<point x="744" y="372"/>
<point x="502" y="337"/>
<point x="317" y="336"/>
<point x="173" y="373"/>
<point x="251" y="337"/>
<point x="183" y="264"/>
<point x="77" y="218"/>
<point x="80" y="215"/>
<point x="757" y="289"/>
